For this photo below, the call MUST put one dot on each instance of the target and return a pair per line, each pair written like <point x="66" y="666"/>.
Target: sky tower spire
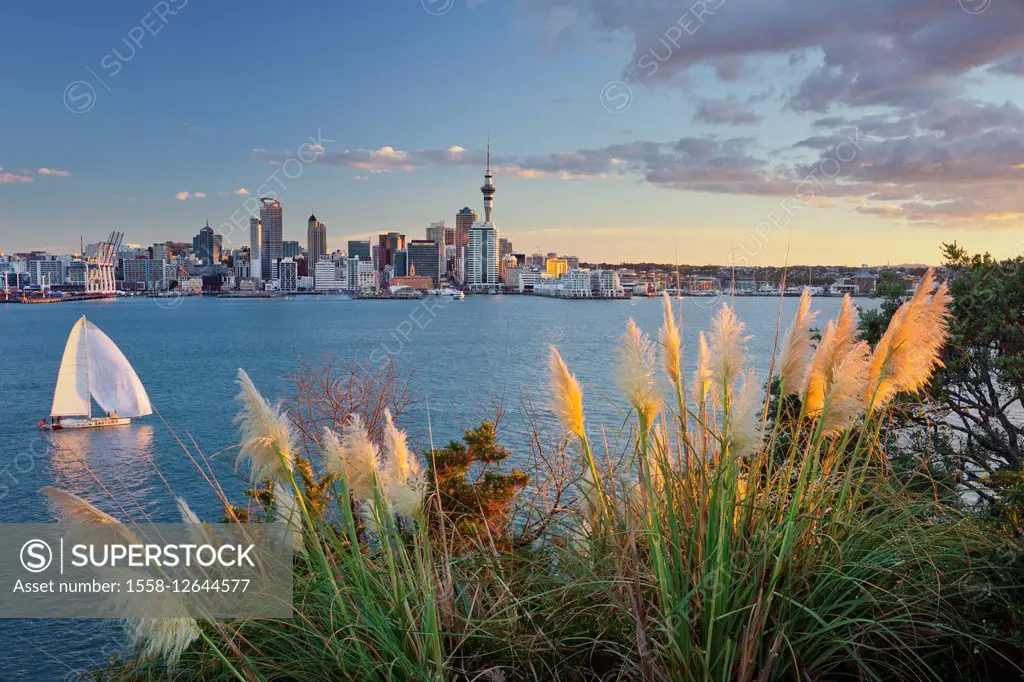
<point x="488" y="186"/>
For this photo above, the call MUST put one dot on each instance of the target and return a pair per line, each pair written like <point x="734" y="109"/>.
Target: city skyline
<point x="702" y="131"/>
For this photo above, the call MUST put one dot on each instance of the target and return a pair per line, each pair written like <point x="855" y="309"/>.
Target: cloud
<point x="854" y="53"/>
<point x="241" y="192"/>
<point x="182" y="196"/>
<point x="198" y="195"/>
<point x="54" y="172"/>
<point x="725" y="112"/>
<point x="10" y="177"/>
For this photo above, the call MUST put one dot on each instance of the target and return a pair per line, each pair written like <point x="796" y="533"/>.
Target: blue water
<point x="462" y="356"/>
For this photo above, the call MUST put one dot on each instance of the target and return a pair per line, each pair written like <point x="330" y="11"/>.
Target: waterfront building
<point x="144" y="274"/>
<point x="325" y="277"/>
<point x="359" y="249"/>
<point x="572" y="263"/>
<point x="606" y="284"/>
<point x="271" y="245"/>
<point x="521" y="279"/>
<point x="537" y="260"/>
<point x="556" y="267"/>
<point x="865" y="281"/>
<point x="413" y="282"/>
<point x="362" y="275"/>
<point x="288" y="274"/>
<point x="316" y="240"/>
<point x="46" y="271"/>
<point x="290" y="249"/>
<point x="425" y="259"/>
<point x="205" y="246"/>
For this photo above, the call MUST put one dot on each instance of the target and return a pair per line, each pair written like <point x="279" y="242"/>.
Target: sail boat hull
<point x="92" y="423"/>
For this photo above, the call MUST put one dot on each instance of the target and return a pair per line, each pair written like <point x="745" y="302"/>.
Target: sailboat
<point x="94" y="368"/>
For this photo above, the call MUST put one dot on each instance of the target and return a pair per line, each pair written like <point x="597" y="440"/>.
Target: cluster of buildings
<point x="472" y="256"/>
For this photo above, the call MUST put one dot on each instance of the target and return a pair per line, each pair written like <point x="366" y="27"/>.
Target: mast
<point x="85" y="335"/>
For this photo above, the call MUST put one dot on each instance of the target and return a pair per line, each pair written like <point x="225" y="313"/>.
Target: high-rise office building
<point x="424" y="259"/>
<point x="482" y="261"/>
<point x="400" y="263"/>
<point x="290" y="249"/>
<point x="206" y="246"/>
<point x="504" y="247"/>
<point x="389" y="244"/>
<point x="464" y="220"/>
<point x="359" y="249"/>
<point x="439" y="233"/>
<point x="272" y="220"/>
<point x="316" y="240"/>
<point x="255" y="248"/>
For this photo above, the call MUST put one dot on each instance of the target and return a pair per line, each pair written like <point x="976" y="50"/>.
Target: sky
<point x="719" y="131"/>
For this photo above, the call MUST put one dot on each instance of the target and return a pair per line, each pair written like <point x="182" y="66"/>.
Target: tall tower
<point x="316" y="240"/>
<point x="488" y="187"/>
<point x="272" y="251"/>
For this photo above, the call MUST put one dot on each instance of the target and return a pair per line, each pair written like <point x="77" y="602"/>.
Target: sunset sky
<point x="835" y="131"/>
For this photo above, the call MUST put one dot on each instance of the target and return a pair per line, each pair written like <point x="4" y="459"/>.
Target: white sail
<point x="71" y="397"/>
<point x="113" y="382"/>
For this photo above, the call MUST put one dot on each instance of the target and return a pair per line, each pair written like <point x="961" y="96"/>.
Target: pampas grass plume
<point x="567" y="396"/>
<point x="796" y="353"/>
<point x="266" y="435"/>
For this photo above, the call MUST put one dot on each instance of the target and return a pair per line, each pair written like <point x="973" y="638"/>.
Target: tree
<point x="480" y="509"/>
<point x="982" y="384"/>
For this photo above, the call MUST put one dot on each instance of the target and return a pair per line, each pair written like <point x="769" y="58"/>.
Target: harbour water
<point x="461" y="356"/>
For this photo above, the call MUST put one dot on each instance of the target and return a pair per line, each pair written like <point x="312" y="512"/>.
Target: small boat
<point x="94" y="368"/>
<point x="446" y="292"/>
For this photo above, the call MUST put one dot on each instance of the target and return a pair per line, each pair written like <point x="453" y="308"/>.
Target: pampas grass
<point x="566" y="395"/>
<point x="267" y="438"/>
<point x="702" y="373"/>
<point x="162" y="638"/>
<point x="671" y="345"/>
<point x="728" y="350"/>
<point x="405" y="483"/>
<point x="745" y="417"/>
<point x="353" y="457"/>
<point x="908" y="352"/>
<point x="636" y="373"/>
<point x="796" y="352"/>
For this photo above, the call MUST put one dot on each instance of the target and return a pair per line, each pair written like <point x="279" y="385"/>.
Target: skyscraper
<point x="290" y="249"/>
<point x="206" y="246"/>
<point x="389" y="245"/>
<point x="438" y="233"/>
<point x="424" y="259"/>
<point x="255" y="247"/>
<point x="316" y="240"/>
<point x="464" y="220"/>
<point x="504" y="247"/>
<point x="359" y="249"/>
<point x="272" y="219"/>
<point x="482" y="267"/>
